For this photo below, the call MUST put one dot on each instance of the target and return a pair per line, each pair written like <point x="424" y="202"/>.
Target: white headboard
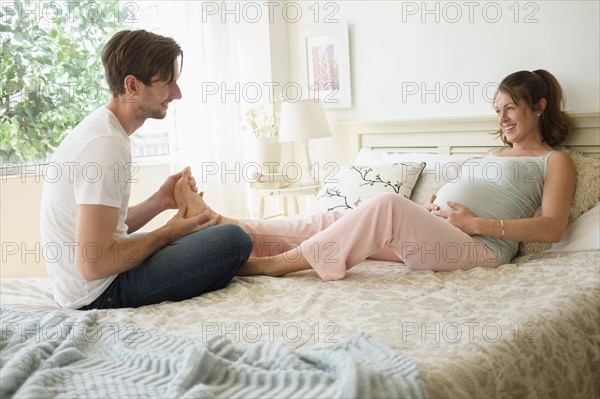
<point x="458" y="136"/>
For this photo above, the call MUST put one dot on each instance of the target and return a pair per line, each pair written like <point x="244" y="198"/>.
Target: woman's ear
<point x="540" y="107"/>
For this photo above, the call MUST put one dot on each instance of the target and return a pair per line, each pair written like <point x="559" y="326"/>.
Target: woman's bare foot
<point x="274" y="266"/>
<point x="195" y="202"/>
<point x="183" y="191"/>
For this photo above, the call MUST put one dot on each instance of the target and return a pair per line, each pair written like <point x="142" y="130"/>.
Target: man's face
<point x="155" y="98"/>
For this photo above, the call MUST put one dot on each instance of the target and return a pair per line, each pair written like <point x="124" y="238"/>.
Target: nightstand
<point x="286" y="193"/>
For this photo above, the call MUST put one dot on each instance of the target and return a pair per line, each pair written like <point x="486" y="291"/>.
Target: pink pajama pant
<point x="384" y="227"/>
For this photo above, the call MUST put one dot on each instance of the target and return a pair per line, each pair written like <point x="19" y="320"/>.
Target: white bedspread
<point x="530" y="329"/>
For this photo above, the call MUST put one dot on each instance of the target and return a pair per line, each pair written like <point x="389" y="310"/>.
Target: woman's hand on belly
<point x="430" y="206"/>
<point x="460" y="216"/>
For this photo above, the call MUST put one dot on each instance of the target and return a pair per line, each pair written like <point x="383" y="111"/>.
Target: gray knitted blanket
<point x="45" y="356"/>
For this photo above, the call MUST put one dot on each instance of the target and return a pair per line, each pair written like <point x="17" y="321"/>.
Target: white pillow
<point x="439" y="169"/>
<point x="350" y="185"/>
<point x="581" y="235"/>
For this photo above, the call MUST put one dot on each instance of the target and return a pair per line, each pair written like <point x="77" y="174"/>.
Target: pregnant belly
<point x="468" y="194"/>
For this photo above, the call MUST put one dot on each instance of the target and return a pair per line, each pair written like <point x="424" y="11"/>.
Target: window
<point x="52" y="77"/>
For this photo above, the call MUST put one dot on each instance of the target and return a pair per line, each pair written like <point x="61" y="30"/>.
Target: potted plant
<point x="265" y="127"/>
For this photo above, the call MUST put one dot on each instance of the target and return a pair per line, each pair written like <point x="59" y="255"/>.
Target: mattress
<point x="526" y="329"/>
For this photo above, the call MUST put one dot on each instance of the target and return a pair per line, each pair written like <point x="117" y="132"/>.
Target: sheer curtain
<point x="206" y="129"/>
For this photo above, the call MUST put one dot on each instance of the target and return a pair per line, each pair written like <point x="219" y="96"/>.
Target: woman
<point x="476" y="221"/>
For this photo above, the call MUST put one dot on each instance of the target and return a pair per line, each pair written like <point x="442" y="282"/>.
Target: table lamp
<point x="301" y="121"/>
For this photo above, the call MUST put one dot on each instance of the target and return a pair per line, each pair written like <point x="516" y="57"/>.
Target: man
<point x="86" y="217"/>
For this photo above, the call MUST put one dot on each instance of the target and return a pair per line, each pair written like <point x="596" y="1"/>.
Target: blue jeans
<point x="197" y="263"/>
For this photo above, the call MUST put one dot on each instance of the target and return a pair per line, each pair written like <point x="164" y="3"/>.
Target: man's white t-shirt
<point x="91" y="166"/>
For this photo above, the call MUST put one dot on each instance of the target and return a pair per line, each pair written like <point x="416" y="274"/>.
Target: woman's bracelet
<point x="494" y="229"/>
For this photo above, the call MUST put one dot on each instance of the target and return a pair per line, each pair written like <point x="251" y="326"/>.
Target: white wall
<point x="398" y="45"/>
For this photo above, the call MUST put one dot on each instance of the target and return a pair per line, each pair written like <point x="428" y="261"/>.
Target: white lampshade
<point x="302" y="120"/>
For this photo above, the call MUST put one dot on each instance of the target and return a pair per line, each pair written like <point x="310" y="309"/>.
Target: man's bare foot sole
<point x="183" y="191"/>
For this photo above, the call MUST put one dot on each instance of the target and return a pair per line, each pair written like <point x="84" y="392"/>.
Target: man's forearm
<point x="140" y="214"/>
<point x="121" y="255"/>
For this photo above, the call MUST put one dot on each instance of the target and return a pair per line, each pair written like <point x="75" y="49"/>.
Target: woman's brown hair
<point x="141" y="54"/>
<point x="531" y="87"/>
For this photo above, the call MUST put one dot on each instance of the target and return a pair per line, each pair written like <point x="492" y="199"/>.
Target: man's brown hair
<point x="141" y="54"/>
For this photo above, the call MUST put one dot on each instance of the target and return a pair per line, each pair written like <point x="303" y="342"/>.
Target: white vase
<point x="268" y="153"/>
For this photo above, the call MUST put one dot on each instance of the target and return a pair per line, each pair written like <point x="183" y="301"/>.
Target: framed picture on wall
<point x="328" y="66"/>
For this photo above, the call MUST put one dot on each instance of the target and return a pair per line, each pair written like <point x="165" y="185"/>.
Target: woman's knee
<point x="390" y="198"/>
<point x="388" y="201"/>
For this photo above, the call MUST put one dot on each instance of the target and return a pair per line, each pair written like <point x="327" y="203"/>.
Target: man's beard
<point x="151" y="113"/>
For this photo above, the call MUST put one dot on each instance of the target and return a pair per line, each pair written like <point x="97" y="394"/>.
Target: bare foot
<point x="183" y="191"/>
<point x="274" y="266"/>
<point x="259" y="267"/>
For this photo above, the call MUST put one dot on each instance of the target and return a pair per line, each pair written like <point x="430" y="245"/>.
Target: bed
<point x="526" y="329"/>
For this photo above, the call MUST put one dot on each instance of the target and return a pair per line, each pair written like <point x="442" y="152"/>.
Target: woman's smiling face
<point x="518" y="121"/>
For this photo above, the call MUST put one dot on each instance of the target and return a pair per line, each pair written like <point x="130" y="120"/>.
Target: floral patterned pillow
<point x="350" y="185"/>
